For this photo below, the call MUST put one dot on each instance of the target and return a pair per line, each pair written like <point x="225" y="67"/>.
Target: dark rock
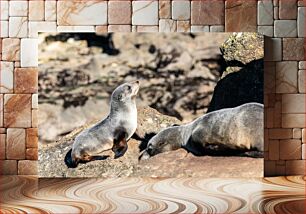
<point x="242" y="81"/>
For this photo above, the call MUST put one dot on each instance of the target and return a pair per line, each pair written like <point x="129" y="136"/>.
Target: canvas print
<point x="151" y="105"/>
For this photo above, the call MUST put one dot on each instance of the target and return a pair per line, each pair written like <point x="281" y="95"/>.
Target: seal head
<point x="167" y="140"/>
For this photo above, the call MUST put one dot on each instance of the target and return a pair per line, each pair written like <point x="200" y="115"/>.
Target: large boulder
<point x="242" y="80"/>
<point x="243" y="47"/>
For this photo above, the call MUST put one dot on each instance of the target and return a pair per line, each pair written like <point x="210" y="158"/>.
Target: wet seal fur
<point x="231" y="131"/>
<point x="113" y="132"/>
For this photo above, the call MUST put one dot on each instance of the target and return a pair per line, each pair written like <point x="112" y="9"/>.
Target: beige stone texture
<point x="293" y="103"/>
<point x="295" y="167"/>
<point x="301" y="22"/>
<point x="2" y="146"/>
<point x="35" y="101"/>
<point x="269" y="168"/>
<point x="27" y="167"/>
<point x="199" y="28"/>
<point x="207" y="12"/>
<point x="1" y="110"/>
<point x="6" y="77"/>
<point x="17" y="110"/>
<point x="269" y="77"/>
<point x="287" y="9"/>
<point x="75" y="12"/>
<point x="15" y="143"/>
<point x="26" y="80"/>
<point x="286" y="77"/>
<point x="180" y="10"/>
<point x="301" y="81"/>
<point x="36" y="10"/>
<point x="32" y="138"/>
<point x="277" y="117"/>
<point x="8" y="167"/>
<point x="183" y="26"/>
<point x="119" y="12"/>
<point x="303" y="151"/>
<point x="17" y="64"/>
<point x="167" y="25"/>
<point x="280" y="133"/>
<point x="273" y="150"/>
<point x="265" y="30"/>
<point x="266" y="140"/>
<point x="119" y="28"/>
<point x="290" y="149"/>
<point x="11" y="49"/>
<point x="18" y="27"/>
<point x="265" y="12"/>
<point x="75" y="28"/>
<point x="164" y="9"/>
<point x="18" y="8"/>
<point x="35" y="118"/>
<point x="50" y="10"/>
<point x="216" y="28"/>
<point x="293" y="49"/>
<point x="4" y="32"/>
<point x="285" y="28"/>
<point x="302" y="65"/>
<point x="32" y="154"/>
<point x="29" y="52"/>
<point x="143" y="28"/>
<point x="304" y="135"/>
<point x="101" y="29"/>
<point x="275" y="13"/>
<point x="41" y="26"/>
<point x="273" y="49"/>
<point x="145" y="12"/>
<point x="4" y="10"/>
<point x="280" y="170"/>
<point x="240" y="15"/>
<point x="269" y="117"/>
<point x="293" y="120"/>
<point x="297" y="133"/>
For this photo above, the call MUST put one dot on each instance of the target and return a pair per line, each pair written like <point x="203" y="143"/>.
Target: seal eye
<point x="129" y="88"/>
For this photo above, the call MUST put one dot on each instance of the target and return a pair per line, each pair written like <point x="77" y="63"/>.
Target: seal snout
<point x="135" y="86"/>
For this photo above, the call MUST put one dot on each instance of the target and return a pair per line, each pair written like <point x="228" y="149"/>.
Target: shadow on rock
<point x="240" y="87"/>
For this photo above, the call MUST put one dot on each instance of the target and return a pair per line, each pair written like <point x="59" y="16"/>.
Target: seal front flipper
<point x="120" y="144"/>
<point x="70" y="163"/>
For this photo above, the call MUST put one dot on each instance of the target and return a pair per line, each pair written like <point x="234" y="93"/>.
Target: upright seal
<point x="113" y="132"/>
<point x="236" y="130"/>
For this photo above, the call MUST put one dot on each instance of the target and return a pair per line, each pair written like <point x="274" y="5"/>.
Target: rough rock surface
<point x="243" y="47"/>
<point x="177" y="163"/>
<point x="242" y="80"/>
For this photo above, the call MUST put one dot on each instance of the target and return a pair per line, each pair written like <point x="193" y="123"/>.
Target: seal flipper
<point x="70" y="163"/>
<point x="120" y="144"/>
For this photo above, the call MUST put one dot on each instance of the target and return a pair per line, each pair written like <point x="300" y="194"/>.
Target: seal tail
<point x="69" y="161"/>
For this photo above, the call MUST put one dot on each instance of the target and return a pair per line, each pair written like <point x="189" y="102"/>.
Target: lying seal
<point x="110" y="133"/>
<point x="232" y="130"/>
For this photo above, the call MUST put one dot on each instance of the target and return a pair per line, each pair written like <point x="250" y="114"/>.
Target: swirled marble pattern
<point x="139" y="195"/>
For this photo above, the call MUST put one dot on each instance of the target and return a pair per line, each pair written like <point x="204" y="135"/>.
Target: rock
<point x="178" y="163"/>
<point x="243" y="47"/>
<point x="150" y="121"/>
<point x="242" y="80"/>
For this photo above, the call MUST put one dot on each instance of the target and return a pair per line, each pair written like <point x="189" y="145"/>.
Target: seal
<point x="236" y="130"/>
<point x="113" y="132"/>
